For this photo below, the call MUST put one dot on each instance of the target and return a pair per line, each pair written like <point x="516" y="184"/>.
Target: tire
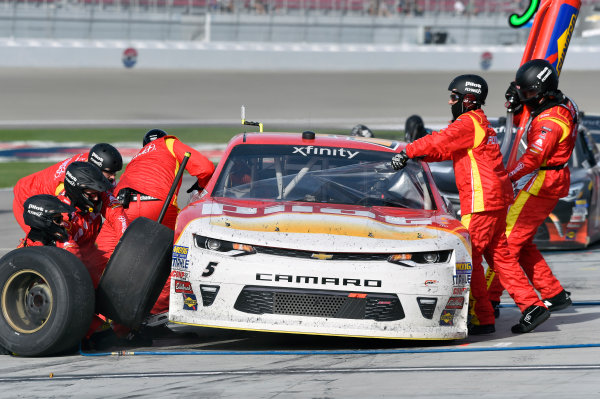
<point x="136" y="272"/>
<point x="47" y="301"/>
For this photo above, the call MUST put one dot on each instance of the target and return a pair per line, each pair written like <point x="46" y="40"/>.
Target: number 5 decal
<point x="209" y="269"/>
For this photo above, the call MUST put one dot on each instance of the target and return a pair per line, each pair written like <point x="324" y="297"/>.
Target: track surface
<point x="560" y="359"/>
<point x="39" y="97"/>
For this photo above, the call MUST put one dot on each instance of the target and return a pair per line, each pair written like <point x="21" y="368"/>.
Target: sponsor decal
<point x="461" y="280"/>
<point x="180" y="261"/>
<point x="190" y="302"/>
<point x="570" y="235"/>
<point x="96" y="159"/>
<point x="458" y="290"/>
<point x="70" y="179"/>
<point x="561" y="36"/>
<point x="181" y="275"/>
<point x="455" y="302"/>
<point x="148" y="148"/>
<point x="447" y="317"/>
<point x="430" y="282"/>
<point x="336" y="152"/>
<point x="62" y="168"/>
<point x="129" y="57"/>
<point x="464" y="268"/>
<point x="184" y="287"/>
<point x="492" y="140"/>
<point x="220" y="209"/>
<point x="35" y="207"/>
<point x="288" y="278"/>
<point x="473" y="87"/>
<point x="486" y="60"/>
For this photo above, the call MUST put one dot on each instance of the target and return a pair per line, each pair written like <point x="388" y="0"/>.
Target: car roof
<point x="321" y="140"/>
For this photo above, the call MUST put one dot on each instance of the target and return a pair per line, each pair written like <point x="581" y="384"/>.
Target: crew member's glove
<point x="513" y="102"/>
<point x="124" y="197"/>
<point x="195" y="186"/>
<point x="400" y="160"/>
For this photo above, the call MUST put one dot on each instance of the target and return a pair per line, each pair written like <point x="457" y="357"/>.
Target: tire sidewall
<point x="72" y="300"/>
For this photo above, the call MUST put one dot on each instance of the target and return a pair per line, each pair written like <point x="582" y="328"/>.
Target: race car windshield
<point x="323" y="175"/>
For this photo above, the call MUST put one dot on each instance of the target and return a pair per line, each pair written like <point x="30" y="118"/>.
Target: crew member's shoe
<point x="496" y="306"/>
<point x="559" y="301"/>
<point x="480" y="329"/>
<point x="532" y="317"/>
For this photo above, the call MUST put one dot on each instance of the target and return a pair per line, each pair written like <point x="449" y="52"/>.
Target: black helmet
<point x="153" y="135"/>
<point x="43" y="214"/>
<point x="361" y="131"/>
<point x="471" y="91"/>
<point x="80" y="176"/>
<point x="414" y="128"/>
<point x="535" y="80"/>
<point x="106" y="157"/>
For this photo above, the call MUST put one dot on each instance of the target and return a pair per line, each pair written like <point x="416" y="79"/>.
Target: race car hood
<point x="320" y="227"/>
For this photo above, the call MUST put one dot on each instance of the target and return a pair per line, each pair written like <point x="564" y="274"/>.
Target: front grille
<point x="319" y="303"/>
<point x="309" y="254"/>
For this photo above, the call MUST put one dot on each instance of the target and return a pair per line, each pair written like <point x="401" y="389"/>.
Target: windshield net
<point x="323" y="175"/>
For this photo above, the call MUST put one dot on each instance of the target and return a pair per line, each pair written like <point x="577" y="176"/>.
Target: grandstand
<point x="308" y="21"/>
<point x="282" y="7"/>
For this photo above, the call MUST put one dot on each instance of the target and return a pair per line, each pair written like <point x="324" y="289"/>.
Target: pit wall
<point x="45" y="53"/>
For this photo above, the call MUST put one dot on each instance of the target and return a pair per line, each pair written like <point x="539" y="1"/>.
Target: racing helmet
<point x="153" y="135"/>
<point x="414" y="128"/>
<point x="470" y="91"/>
<point x="43" y="213"/>
<point x="80" y="176"/>
<point x="361" y="131"/>
<point x="106" y="157"/>
<point x="535" y="80"/>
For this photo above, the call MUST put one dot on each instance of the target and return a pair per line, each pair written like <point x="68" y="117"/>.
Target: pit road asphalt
<point x="560" y="359"/>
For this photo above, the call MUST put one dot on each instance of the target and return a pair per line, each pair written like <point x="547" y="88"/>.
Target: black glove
<point x="195" y="186"/>
<point x="124" y="197"/>
<point x="513" y="102"/>
<point x="400" y="160"/>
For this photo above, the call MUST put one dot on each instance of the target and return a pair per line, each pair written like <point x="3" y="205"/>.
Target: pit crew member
<point x="145" y="183"/>
<point x="542" y="173"/>
<point x="361" y="131"/>
<point x="485" y="192"/>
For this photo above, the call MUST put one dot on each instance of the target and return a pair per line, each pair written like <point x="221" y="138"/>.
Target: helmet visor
<point x="526" y="94"/>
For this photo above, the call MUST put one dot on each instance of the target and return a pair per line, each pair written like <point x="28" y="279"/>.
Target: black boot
<point x="496" y="306"/>
<point x="559" y="301"/>
<point x="532" y="317"/>
<point x="480" y="329"/>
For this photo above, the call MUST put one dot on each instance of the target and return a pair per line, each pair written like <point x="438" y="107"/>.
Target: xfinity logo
<point x="287" y="278"/>
<point x="336" y="152"/>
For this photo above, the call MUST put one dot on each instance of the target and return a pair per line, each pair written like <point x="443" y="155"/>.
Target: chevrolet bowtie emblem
<point x="321" y="256"/>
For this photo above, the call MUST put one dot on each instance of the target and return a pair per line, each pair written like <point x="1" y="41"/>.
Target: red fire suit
<point x="46" y="181"/>
<point x="551" y="138"/>
<point x="150" y="174"/>
<point x="485" y="192"/>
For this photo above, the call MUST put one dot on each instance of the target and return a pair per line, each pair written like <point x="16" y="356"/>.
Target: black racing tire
<point x="136" y="272"/>
<point x="47" y="301"/>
